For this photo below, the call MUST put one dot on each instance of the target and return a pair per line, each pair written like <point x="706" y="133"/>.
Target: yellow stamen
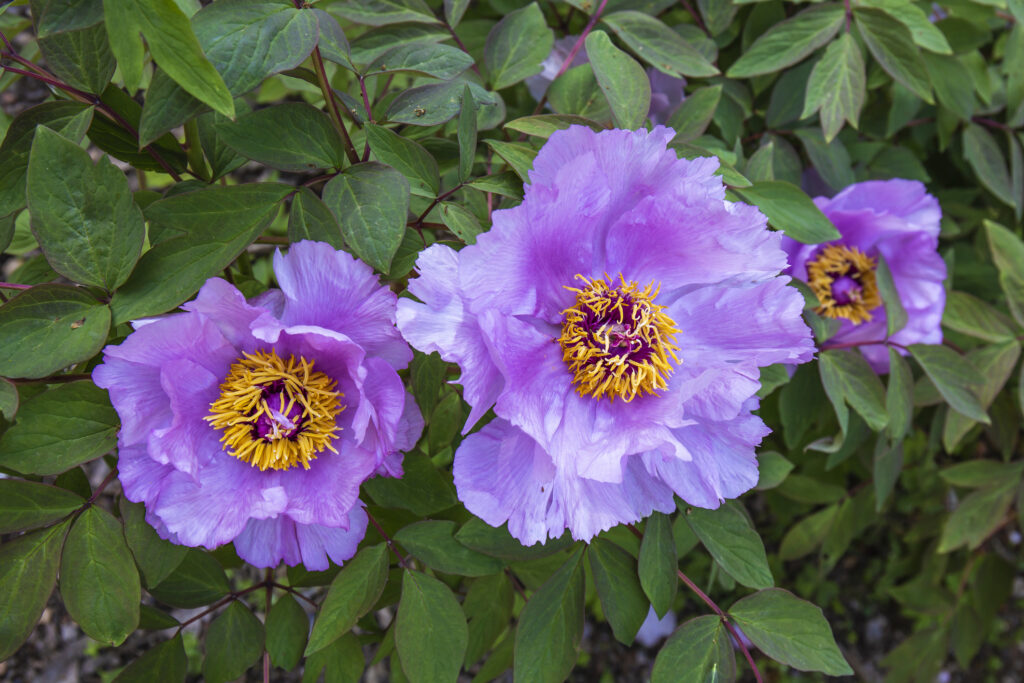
<point x="834" y="262"/>
<point x="616" y="340"/>
<point x="262" y="385"/>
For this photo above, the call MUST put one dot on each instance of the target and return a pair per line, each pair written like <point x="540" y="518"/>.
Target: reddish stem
<point x="572" y="53"/>
<point x="391" y="544"/>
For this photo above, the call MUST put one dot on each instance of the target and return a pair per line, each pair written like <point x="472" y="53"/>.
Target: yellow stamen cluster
<point x="262" y="385"/>
<point x="834" y="262"/>
<point x="616" y="340"/>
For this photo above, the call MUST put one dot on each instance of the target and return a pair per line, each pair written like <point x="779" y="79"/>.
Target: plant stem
<point x="296" y="593"/>
<point x="572" y="53"/>
<point x="714" y="608"/>
<point x="268" y="580"/>
<point x="402" y="560"/>
<point x="332" y="105"/>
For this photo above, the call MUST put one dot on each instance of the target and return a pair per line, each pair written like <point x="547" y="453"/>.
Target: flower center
<point x="276" y="414"/>
<point x="616" y="340"/>
<point x="843" y="278"/>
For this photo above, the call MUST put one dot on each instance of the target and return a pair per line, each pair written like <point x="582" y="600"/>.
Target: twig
<point x="332" y="106"/>
<point x="103" y="484"/>
<point x="295" y="592"/>
<point x="268" y="579"/>
<point x="217" y="605"/>
<point x="716" y="609"/>
<point x="402" y="560"/>
<point x="572" y="53"/>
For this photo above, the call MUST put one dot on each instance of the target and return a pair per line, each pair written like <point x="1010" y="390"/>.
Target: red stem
<point x="572" y="53"/>
<point x="391" y="544"/>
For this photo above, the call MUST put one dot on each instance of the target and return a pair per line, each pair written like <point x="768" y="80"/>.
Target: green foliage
<point x="180" y="141"/>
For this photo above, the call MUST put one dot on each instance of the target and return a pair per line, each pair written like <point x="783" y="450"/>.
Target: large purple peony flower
<point x="256" y="421"/>
<point x="615" y="321"/>
<point x="898" y="220"/>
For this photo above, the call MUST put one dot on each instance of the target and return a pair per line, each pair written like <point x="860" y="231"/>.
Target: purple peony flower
<point x="666" y="91"/>
<point x="615" y="321"/>
<point x="256" y="421"/>
<point x="898" y="220"/>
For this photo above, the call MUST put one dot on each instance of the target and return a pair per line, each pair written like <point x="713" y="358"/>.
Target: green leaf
<point x="694" y="115"/>
<point x="789" y="41"/>
<point x="310" y="219"/>
<point x="50" y="327"/>
<point x="926" y="34"/>
<point x="407" y="157"/>
<point x="847" y="377"/>
<point x="434" y="544"/>
<point x="287" y="627"/>
<point x="429" y="105"/>
<point x="430" y="630"/>
<point x="790" y="210"/>
<point x="517" y="155"/>
<point x="341" y="662"/>
<point x="382" y="12"/>
<point x="83" y="215"/>
<point x="550" y="626"/>
<point x="543" y="125"/>
<point x="118" y="142"/>
<point x="892" y="45"/>
<point x="155" y="557"/>
<point x="657" y="563"/>
<point x="658" y="45"/>
<point x="171" y="42"/>
<point x="953" y="83"/>
<point x="467" y="134"/>
<point x="899" y="396"/>
<point x="623" y="81"/>
<point x="576" y="92"/>
<point x="70" y="119"/>
<point x="488" y="608"/>
<point x="422" y="489"/>
<point x="699" y="650"/>
<point x="167" y="106"/>
<point x="994" y="363"/>
<point x="98" y="579"/>
<point x="987" y="160"/>
<point x="507" y="184"/>
<point x="371" y="202"/>
<point x="211" y="227"/>
<point x="886" y="468"/>
<point x="81" y="57"/>
<point x="167" y="662"/>
<point x="830" y="159"/>
<point x="516" y="46"/>
<point x="977" y="516"/>
<point x="733" y="543"/>
<point x="954" y="376"/>
<point x="26" y="504"/>
<point x="622" y="598"/>
<point x="460" y="221"/>
<point x="498" y="542"/>
<point x="982" y="473"/>
<point x="895" y="314"/>
<point x="773" y="468"/>
<point x="425" y="59"/>
<point x="222" y="158"/>
<point x="292" y="136"/>
<point x="197" y="581"/>
<point x="273" y="35"/>
<point x="28" y="571"/>
<point x="352" y="593"/>
<point x="790" y="630"/>
<point x="233" y="643"/>
<point x="453" y="11"/>
<point x="69" y="15"/>
<point x="1008" y="255"/>
<point x="837" y="86"/>
<point x="59" y="429"/>
<point x="804" y="536"/>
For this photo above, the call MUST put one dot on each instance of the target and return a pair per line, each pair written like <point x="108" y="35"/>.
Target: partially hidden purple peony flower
<point x="666" y="91"/>
<point x="899" y="221"/>
<point x="256" y="421"/>
<point x="615" y="321"/>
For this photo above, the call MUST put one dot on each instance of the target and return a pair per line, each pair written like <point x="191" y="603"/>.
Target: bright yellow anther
<point x="835" y="262"/>
<point x="616" y="341"/>
<point x="276" y="414"/>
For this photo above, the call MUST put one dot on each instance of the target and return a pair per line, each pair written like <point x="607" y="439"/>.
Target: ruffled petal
<point x="442" y="324"/>
<point x="327" y="288"/>
<point x="268" y="542"/>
